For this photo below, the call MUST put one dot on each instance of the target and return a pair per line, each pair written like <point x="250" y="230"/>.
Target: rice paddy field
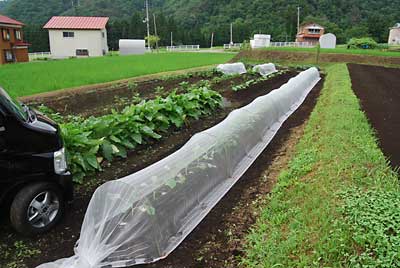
<point x="31" y="78"/>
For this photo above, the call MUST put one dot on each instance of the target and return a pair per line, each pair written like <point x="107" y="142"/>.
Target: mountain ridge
<point x="351" y="18"/>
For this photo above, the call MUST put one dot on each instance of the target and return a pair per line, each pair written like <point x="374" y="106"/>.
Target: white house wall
<point x="64" y="47"/>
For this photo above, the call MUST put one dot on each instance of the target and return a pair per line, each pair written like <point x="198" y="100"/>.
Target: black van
<point x="34" y="180"/>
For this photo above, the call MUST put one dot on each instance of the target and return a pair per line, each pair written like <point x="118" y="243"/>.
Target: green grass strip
<point x="26" y="79"/>
<point x="308" y="220"/>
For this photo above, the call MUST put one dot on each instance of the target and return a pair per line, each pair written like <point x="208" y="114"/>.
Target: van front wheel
<point x="37" y="208"/>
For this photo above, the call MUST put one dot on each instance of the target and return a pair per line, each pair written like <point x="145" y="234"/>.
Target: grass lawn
<point x="341" y="50"/>
<point x="337" y="204"/>
<point x="30" y="78"/>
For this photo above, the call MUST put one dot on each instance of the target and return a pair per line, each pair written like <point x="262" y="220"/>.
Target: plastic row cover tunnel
<point x="143" y="217"/>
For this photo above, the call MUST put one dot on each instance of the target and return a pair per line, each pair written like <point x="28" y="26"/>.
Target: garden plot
<point x="141" y="157"/>
<point x="379" y="93"/>
<point x="102" y="100"/>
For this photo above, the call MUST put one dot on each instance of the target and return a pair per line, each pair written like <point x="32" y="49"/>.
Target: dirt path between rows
<point x="378" y="89"/>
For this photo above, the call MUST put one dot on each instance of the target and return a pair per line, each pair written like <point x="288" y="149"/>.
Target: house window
<point x="18" y="35"/>
<point x="314" y="31"/>
<point x="82" y="52"/>
<point x="68" y="34"/>
<point x="6" y="34"/>
<point x="8" y="56"/>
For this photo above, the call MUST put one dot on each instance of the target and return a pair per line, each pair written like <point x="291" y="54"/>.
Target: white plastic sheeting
<point x="328" y="41"/>
<point x="132" y="46"/>
<point x="265" y="69"/>
<point x="232" y="68"/>
<point x="143" y="217"/>
<point x="260" y="41"/>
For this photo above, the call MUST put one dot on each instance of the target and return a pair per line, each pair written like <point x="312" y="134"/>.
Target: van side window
<point x="1" y="118"/>
<point x="2" y="130"/>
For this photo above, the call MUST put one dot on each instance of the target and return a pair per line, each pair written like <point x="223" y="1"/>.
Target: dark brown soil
<point x="378" y="89"/>
<point x="59" y="242"/>
<point x="311" y="57"/>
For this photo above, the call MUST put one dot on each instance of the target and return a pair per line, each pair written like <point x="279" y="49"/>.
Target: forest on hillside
<point x="193" y="21"/>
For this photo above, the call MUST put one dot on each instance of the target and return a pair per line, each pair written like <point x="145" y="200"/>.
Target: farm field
<point x="341" y="50"/>
<point x="31" y="78"/>
<point x="143" y="155"/>
<point x="378" y="90"/>
<point x="321" y="194"/>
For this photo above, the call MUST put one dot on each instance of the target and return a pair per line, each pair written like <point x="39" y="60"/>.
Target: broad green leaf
<point x="107" y="150"/>
<point x="171" y="183"/>
<point x="92" y="161"/>
<point x="137" y="137"/>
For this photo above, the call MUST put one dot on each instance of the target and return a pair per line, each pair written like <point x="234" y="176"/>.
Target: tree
<point x="152" y="40"/>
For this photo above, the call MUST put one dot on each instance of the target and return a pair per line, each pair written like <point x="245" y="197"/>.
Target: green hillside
<point x="194" y="20"/>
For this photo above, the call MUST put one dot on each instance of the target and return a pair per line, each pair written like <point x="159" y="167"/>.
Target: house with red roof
<point x="77" y="36"/>
<point x="310" y="32"/>
<point x="12" y="45"/>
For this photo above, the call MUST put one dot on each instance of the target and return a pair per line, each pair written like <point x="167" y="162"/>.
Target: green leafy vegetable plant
<point x="91" y="141"/>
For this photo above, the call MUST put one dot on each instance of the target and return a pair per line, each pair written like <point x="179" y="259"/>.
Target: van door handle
<point x="2" y="129"/>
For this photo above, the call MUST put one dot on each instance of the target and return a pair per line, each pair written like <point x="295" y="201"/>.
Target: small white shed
<point x="394" y="35"/>
<point x="132" y="46"/>
<point x="260" y="41"/>
<point x="327" y="41"/>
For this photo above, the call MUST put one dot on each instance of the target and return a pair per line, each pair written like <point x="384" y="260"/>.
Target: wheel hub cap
<point x="43" y="209"/>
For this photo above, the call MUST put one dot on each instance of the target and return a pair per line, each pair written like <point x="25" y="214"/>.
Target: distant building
<point x="12" y="45"/>
<point x="310" y="32"/>
<point x="77" y="36"/>
<point x="394" y="35"/>
<point x="260" y="41"/>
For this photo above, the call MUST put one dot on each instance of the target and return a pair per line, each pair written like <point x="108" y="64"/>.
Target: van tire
<point x="22" y="206"/>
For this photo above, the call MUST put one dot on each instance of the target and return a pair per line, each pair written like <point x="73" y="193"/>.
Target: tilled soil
<point x="378" y="89"/>
<point x="59" y="242"/>
<point x="312" y="57"/>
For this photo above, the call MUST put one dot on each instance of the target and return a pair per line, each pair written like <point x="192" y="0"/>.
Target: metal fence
<point x="292" y="44"/>
<point x="230" y="46"/>
<point x="183" y="48"/>
<point x="39" y="55"/>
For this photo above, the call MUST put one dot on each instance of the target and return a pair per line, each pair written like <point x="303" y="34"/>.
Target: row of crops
<point x="93" y="141"/>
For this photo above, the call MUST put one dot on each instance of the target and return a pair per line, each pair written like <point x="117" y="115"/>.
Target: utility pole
<point x="148" y="24"/>
<point x="298" y="19"/>
<point x="155" y="29"/>
<point x="212" y="40"/>
<point x="172" y="41"/>
<point x="231" y="34"/>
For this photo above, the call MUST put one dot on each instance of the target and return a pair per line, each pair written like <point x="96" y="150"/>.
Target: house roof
<point x="7" y="20"/>
<point x="84" y="23"/>
<point x="21" y="44"/>
<point x="317" y="36"/>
